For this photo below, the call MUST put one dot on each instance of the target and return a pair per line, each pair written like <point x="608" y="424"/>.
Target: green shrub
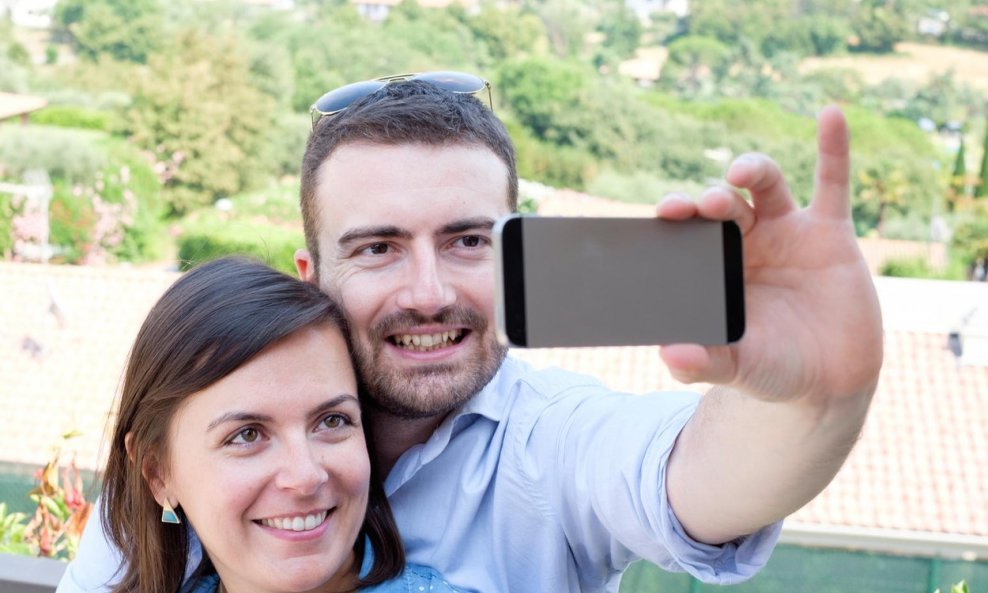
<point x="105" y="202"/>
<point x="906" y="267"/>
<point x="70" y="222"/>
<point x="970" y="239"/>
<point x="276" y="204"/>
<point x="70" y="155"/>
<point x="7" y="212"/>
<point x="66" y="116"/>
<point x="208" y="239"/>
<point x="638" y="187"/>
<point x="12" y="527"/>
<point x="558" y="166"/>
<point x="130" y="182"/>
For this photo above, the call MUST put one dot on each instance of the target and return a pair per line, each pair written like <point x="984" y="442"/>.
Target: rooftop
<point x="12" y="105"/>
<point x="921" y="464"/>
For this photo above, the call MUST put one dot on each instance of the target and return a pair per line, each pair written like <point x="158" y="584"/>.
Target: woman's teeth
<point x="296" y="523"/>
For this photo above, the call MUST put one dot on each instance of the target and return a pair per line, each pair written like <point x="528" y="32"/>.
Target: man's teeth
<point x="424" y="342"/>
<point x="296" y="523"/>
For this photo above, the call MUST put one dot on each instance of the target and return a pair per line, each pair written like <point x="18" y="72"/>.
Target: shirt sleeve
<point x="599" y="459"/>
<point x="98" y="564"/>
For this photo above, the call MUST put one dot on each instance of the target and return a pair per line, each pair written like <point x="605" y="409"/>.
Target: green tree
<point x="621" y="28"/>
<point x="881" y="186"/>
<point x="566" y="24"/>
<point x="196" y="110"/>
<point x="981" y="189"/>
<point x="958" y="179"/>
<point x="540" y="91"/>
<point x="507" y="32"/>
<point x="880" y="24"/>
<point x="128" y="30"/>
<point x="695" y="60"/>
<point x="729" y="22"/>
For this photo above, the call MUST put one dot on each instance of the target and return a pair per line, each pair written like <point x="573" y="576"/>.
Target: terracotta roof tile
<point x="59" y="371"/>
<point x="921" y="464"/>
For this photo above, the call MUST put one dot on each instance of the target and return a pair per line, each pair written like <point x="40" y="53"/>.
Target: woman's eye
<point x="246" y="436"/>
<point x="335" y="421"/>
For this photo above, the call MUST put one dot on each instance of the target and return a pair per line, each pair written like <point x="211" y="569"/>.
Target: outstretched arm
<point x="795" y="390"/>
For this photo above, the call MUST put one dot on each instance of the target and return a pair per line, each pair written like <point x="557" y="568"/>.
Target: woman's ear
<point x="129" y="446"/>
<point x="155" y="476"/>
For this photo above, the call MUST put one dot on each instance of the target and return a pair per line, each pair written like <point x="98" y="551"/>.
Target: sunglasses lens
<point x="345" y="96"/>
<point x="458" y="82"/>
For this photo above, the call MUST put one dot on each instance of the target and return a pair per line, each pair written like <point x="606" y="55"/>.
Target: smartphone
<point x="617" y="281"/>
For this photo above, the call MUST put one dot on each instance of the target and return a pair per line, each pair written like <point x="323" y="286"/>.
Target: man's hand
<point x="813" y="323"/>
<point x="803" y="375"/>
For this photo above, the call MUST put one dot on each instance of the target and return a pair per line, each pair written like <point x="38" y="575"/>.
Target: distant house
<point x="12" y="106"/>
<point x="646" y="67"/>
<point x="271" y="4"/>
<point x="644" y="9"/>
<point x="933" y="23"/>
<point x="32" y="14"/>
<point x="378" y="10"/>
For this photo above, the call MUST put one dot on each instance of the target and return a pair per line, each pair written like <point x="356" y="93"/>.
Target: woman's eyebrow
<point x="238" y="417"/>
<point x="253" y="417"/>
<point x="333" y="403"/>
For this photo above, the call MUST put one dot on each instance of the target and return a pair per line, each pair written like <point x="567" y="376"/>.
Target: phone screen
<point x="618" y="281"/>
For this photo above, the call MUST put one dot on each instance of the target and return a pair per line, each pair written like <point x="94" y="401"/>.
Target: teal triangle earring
<point x="168" y="514"/>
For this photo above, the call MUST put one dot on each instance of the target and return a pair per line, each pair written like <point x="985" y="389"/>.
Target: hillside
<point x="912" y="61"/>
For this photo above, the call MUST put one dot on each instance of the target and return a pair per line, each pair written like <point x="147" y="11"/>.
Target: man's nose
<point x="300" y="468"/>
<point x="427" y="288"/>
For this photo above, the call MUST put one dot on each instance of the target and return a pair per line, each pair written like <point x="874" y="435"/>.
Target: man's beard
<point x="427" y="390"/>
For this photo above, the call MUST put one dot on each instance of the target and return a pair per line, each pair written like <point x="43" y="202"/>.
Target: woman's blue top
<point x="414" y="579"/>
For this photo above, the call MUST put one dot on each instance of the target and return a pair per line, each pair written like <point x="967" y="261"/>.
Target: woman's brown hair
<point x="210" y="322"/>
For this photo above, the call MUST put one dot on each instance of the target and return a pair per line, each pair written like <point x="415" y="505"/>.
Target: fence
<point x="800" y="569"/>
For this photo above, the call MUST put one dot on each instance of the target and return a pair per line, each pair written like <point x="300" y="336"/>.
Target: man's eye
<point x="471" y="240"/>
<point x="377" y="249"/>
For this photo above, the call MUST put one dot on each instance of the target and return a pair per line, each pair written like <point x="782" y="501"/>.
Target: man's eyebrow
<point x="318" y="410"/>
<point x="467" y="224"/>
<point x="373" y="232"/>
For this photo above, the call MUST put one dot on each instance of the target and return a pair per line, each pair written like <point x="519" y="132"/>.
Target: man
<point x="507" y="479"/>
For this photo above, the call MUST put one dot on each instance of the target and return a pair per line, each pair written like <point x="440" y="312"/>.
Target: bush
<point x="639" y="187"/>
<point x="69" y="155"/>
<point x="911" y="267"/>
<point x="208" y="239"/>
<point x="65" y="116"/>
<point x="970" y="239"/>
<point x="105" y="200"/>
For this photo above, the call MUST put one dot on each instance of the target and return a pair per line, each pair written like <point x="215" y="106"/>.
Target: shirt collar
<point x="491" y="403"/>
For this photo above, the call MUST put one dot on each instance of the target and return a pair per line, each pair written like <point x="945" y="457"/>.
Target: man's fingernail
<point x="676" y="197"/>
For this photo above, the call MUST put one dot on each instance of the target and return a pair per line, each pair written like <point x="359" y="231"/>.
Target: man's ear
<point x="304" y="265"/>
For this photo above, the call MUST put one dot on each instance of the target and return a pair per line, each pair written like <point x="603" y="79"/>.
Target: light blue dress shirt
<point x="544" y="481"/>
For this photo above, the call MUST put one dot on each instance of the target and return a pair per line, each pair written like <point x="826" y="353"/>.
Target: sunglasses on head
<point x="339" y="99"/>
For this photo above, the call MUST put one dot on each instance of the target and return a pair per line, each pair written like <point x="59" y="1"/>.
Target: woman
<point x="239" y="415"/>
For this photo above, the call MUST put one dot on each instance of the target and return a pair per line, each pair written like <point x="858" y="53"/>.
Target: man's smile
<point x="428" y="342"/>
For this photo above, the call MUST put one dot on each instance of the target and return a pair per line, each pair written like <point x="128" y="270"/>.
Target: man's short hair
<point x="406" y="112"/>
